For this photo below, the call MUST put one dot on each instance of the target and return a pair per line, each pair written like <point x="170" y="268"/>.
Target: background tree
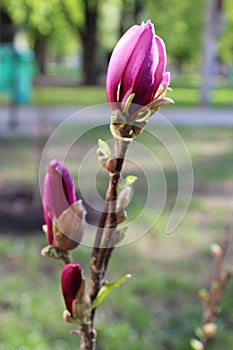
<point x="212" y="30"/>
<point x="82" y="15"/>
<point x="181" y="26"/>
<point x="58" y="28"/>
<point x="35" y="17"/>
<point x="6" y="26"/>
<point x="226" y="42"/>
<point x="43" y="21"/>
<point x="130" y="13"/>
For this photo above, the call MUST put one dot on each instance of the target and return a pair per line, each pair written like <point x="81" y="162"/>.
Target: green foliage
<point x="38" y="14"/>
<point x="107" y="289"/>
<point x="180" y="24"/>
<point x="226" y="45"/>
<point x="183" y="95"/>
<point x="46" y="19"/>
<point x="83" y="96"/>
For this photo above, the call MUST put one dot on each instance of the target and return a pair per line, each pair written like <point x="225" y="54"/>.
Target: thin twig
<point x="99" y="233"/>
<point x="107" y="226"/>
<point x="212" y="299"/>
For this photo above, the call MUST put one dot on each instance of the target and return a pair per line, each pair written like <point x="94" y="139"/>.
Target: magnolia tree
<point x="136" y="85"/>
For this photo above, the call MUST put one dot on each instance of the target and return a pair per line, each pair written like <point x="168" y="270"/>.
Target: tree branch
<point x="107" y="225"/>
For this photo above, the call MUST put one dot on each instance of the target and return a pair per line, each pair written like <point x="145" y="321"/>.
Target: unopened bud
<point x="120" y="234"/>
<point x="74" y="292"/>
<point x="216" y="250"/>
<point x="110" y="165"/>
<point x="196" y="344"/>
<point x="59" y="195"/>
<point x="203" y="295"/>
<point x="124" y="198"/>
<point x="121" y="216"/>
<point x="210" y="329"/>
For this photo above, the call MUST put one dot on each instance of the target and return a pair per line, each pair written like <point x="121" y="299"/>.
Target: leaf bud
<point x="110" y="165"/>
<point x="210" y="329"/>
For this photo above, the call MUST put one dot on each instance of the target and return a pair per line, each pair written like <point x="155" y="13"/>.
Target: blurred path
<point x="32" y="119"/>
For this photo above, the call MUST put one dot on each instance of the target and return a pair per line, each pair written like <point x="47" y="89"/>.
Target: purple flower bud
<point x="59" y="194"/>
<point x="137" y="65"/>
<point x="71" y="280"/>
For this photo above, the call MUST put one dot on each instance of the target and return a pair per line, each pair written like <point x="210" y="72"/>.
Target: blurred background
<point x="53" y="61"/>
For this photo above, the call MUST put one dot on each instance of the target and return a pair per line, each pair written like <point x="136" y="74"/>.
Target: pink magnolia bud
<point x="71" y="280"/>
<point x="137" y="66"/>
<point x="59" y="194"/>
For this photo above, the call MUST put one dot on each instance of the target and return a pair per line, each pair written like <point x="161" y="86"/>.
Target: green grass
<point x="158" y="308"/>
<point x="183" y="96"/>
<point x="87" y="96"/>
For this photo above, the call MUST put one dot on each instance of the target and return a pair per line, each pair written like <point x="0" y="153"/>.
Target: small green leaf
<point x="103" y="146"/>
<point x="103" y="151"/>
<point x="108" y="288"/>
<point x="216" y="285"/>
<point x="199" y="332"/>
<point x="129" y="181"/>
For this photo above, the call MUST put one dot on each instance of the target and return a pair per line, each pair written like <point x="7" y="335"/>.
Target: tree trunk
<point x="88" y="35"/>
<point x="7" y="29"/>
<point x="89" y="59"/>
<point x="89" y="41"/>
<point x="130" y="14"/>
<point x="40" y="49"/>
<point x="212" y="30"/>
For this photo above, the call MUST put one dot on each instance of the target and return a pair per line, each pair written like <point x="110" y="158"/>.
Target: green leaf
<point x="103" y="151"/>
<point x="108" y="288"/>
<point x="104" y="148"/>
<point x="128" y="181"/>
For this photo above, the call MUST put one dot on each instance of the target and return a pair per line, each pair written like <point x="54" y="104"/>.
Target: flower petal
<point x="159" y="72"/>
<point x="166" y="79"/>
<point x="119" y="59"/>
<point x="138" y="76"/>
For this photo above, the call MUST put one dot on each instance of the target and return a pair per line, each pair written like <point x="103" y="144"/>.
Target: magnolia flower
<point x="73" y="285"/>
<point x="136" y="71"/>
<point x="71" y="280"/>
<point x="63" y="216"/>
